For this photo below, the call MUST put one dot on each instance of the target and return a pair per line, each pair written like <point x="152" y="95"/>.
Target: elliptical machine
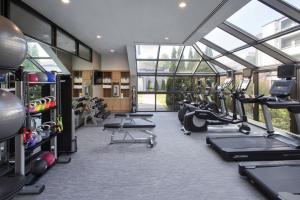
<point x="199" y="120"/>
<point x="204" y="102"/>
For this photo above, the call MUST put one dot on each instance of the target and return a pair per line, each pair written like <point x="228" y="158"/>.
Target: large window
<point x="224" y="39"/>
<point x="259" y="20"/>
<point x="280" y="117"/>
<point x="30" y="24"/>
<point x="84" y="52"/>
<point x="65" y="42"/>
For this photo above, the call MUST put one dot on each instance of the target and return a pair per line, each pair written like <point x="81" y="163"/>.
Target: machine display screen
<point x="286" y="71"/>
<point x="282" y="87"/>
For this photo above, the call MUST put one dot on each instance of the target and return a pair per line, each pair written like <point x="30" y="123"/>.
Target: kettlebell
<point x="49" y="158"/>
<point x="52" y="102"/>
<point x="44" y="131"/>
<point x="47" y="103"/>
<point x="43" y="104"/>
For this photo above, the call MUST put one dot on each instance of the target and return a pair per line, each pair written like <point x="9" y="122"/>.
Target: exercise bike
<point x="199" y="120"/>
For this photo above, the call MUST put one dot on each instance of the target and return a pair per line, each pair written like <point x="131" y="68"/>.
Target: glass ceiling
<point x="42" y="57"/>
<point x="271" y="31"/>
<point x="170" y="60"/>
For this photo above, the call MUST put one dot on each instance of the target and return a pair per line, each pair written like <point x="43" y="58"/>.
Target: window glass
<point x="146" y="102"/>
<point x="146" y="83"/>
<point x="249" y="107"/>
<point x="230" y="63"/>
<point x="30" y="24"/>
<point x="207" y="50"/>
<point x="146" y="51"/>
<point x="224" y="39"/>
<point x="29" y="66"/>
<point x="257" y="57"/>
<point x="289" y="44"/>
<point x="183" y="83"/>
<point x="190" y="53"/>
<point x="295" y="3"/>
<point x="170" y="52"/>
<point x="204" y="68"/>
<point x="164" y="83"/>
<point x="260" y="20"/>
<point x="166" y="67"/>
<point x="217" y="68"/>
<point x="187" y="66"/>
<point x="280" y="117"/>
<point x="164" y="102"/>
<point x="84" y="52"/>
<point x="48" y="64"/>
<point x="36" y="51"/>
<point x="65" y="42"/>
<point x="146" y="66"/>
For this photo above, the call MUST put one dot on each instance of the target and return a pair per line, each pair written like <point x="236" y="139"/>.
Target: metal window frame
<point x="54" y="26"/>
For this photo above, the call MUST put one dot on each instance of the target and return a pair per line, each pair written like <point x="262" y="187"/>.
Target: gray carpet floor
<point x="179" y="168"/>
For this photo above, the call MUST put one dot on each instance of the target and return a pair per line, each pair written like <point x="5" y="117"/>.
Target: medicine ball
<point x="49" y="158"/>
<point x="51" y="77"/>
<point x="38" y="167"/>
<point x="13" y="46"/>
<point x="32" y="77"/>
<point x="42" y="77"/>
<point x="12" y="114"/>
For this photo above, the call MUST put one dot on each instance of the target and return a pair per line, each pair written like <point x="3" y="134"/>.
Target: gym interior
<point x="140" y="100"/>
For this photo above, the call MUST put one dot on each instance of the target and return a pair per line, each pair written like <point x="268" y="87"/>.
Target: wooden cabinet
<point x="116" y="76"/>
<point x="118" y="104"/>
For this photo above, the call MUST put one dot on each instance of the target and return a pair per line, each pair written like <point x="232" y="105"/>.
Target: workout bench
<point x="126" y="127"/>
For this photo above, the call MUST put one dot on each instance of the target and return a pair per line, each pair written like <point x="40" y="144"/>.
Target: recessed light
<point x="98" y="36"/>
<point x="66" y="1"/>
<point x="112" y="50"/>
<point x="182" y="5"/>
<point x="166" y="38"/>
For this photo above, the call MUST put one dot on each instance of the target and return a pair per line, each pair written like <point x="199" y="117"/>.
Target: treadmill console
<point x="282" y="88"/>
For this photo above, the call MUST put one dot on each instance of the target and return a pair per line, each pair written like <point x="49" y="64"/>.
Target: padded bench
<point x="128" y="137"/>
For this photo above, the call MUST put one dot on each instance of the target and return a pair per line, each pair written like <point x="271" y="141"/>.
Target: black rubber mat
<point x="248" y="142"/>
<point x="278" y="179"/>
<point x="10" y="186"/>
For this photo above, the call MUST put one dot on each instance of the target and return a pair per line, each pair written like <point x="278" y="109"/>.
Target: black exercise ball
<point x="13" y="46"/>
<point x="38" y="167"/>
<point x="12" y="114"/>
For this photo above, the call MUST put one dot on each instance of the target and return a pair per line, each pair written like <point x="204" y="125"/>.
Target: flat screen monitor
<point x="229" y="74"/>
<point x="286" y="71"/>
<point x="247" y="73"/>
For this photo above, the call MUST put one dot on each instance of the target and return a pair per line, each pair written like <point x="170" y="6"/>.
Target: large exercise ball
<point x="13" y="46"/>
<point x="12" y="114"/>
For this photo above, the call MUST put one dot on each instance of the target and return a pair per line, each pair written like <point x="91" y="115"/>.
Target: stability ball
<point x="12" y="114"/>
<point x="13" y="46"/>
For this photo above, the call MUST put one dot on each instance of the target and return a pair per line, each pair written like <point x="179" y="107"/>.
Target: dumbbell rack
<point x="22" y="88"/>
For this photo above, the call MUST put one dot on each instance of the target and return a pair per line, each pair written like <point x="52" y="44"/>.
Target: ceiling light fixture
<point x="112" y="50"/>
<point x="182" y="5"/>
<point x="98" y="36"/>
<point x="66" y="1"/>
<point x="166" y="38"/>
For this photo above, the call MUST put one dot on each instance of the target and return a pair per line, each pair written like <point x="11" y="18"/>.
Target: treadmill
<point x="269" y="146"/>
<point x="276" y="179"/>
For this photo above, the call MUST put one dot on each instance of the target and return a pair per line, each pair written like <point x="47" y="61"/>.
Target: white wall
<point x="110" y="62"/>
<point x="81" y="64"/>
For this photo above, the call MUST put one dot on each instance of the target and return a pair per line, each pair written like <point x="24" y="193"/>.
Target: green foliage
<point x="163" y="85"/>
<point x="156" y="85"/>
<point x="149" y="85"/>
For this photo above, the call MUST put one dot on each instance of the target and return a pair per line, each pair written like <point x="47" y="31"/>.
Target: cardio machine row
<point x="206" y="115"/>
<point x="275" y="157"/>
